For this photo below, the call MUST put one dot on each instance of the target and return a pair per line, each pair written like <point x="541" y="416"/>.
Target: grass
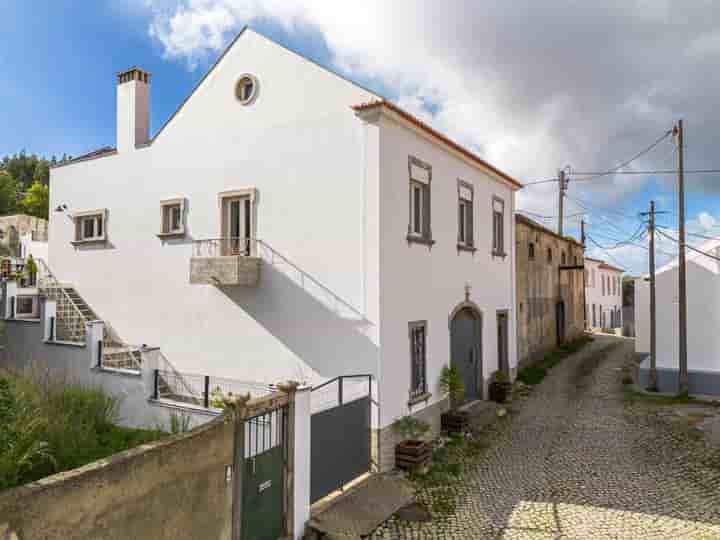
<point x="535" y="373"/>
<point x="48" y="426"/>
<point x="633" y="395"/>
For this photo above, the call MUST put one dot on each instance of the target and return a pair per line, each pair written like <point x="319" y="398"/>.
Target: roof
<point x="100" y="152"/>
<point x="606" y="266"/>
<point x="432" y="131"/>
<point x="535" y="225"/>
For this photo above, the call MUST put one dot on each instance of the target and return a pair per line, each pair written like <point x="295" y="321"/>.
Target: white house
<point x="603" y="294"/>
<point x="286" y="223"/>
<point x="703" y="320"/>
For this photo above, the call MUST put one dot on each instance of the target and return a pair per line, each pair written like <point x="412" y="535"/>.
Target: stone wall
<point x="389" y="438"/>
<point x="541" y="284"/>
<point x="172" y="489"/>
<point x="230" y="270"/>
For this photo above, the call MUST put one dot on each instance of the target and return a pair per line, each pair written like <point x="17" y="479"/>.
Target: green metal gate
<point x="263" y="490"/>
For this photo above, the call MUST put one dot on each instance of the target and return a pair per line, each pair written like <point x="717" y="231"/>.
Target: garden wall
<point x="177" y="488"/>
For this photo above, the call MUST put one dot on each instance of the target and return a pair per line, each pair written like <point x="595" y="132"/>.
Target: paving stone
<point x="575" y="460"/>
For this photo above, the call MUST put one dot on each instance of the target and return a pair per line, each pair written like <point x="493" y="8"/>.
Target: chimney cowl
<point x="133" y="74"/>
<point x="133" y="109"/>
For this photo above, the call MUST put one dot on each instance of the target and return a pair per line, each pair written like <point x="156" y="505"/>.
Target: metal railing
<point x="70" y="320"/>
<point x="340" y="391"/>
<point x="202" y="390"/>
<point x="225" y="247"/>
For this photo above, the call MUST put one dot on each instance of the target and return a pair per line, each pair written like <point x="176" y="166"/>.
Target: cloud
<point x="531" y="86"/>
<point x="706" y="221"/>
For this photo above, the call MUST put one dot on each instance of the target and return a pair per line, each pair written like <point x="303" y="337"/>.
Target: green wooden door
<point x="262" y="511"/>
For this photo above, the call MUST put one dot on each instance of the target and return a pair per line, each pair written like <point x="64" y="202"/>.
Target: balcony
<point x="225" y="261"/>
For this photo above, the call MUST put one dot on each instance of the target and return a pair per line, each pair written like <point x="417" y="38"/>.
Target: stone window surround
<point x="167" y="203"/>
<point x="252" y="194"/>
<point x="498" y="252"/>
<point x="463" y="185"/>
<point x="79" y="217"/>
<point x="426" y="236"/>
<point x="240" y="84"/>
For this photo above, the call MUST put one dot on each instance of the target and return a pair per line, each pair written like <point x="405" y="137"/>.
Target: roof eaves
<point x="95" y="154"/>
<point x="360" y="107"/>
<point x="539" y="226"/>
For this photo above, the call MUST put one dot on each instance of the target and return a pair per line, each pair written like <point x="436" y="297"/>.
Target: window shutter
<point x="78" y="232"/>
<point x="426" y="212"/>
<point x="469" y="237"/>
<point x="166" y="219"/>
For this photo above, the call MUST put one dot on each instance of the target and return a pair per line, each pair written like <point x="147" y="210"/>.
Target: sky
<point x="532" y="87"/>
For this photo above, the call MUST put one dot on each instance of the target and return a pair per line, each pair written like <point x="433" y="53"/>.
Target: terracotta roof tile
<point x="432" y="131"/>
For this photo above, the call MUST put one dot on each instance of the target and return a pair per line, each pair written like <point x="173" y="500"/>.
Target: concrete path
<point x="577" y="460"/>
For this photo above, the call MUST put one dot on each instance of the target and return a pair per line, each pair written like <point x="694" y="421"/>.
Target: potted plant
<point x="452" y="385"/>
<point x="31" y="268"/>
<point x="412" y="453"/>
<point x="499" y="387"/>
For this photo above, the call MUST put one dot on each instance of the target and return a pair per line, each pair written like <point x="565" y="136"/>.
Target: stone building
<point x="549" y="278"/>
<point x="14" y="228"/>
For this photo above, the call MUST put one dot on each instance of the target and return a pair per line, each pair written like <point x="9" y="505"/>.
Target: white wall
<point x="302" y="461"/>
<point x="419" y="283"/>
<point x="703" y="315"/>
<point x="28" y="246"/>
<point x="594" y="294"/>
<point x="300" y="145"/>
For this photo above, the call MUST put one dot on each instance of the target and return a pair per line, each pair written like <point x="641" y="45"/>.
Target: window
<point x="602" y="278"/>
<point x="246" y="89"/>
<point x="498" y="225"/>
<point x="173" y="217"/>
<point x="465" y="215"/>
<point x="418" y="336"/>
<point x="563" y="258"/>
<point x="594" y="315"/>
<point x="90" y="226"/>
<point x="420" y="174"/>
<point x="25" y="307"/>
<point x="549" y="255"/>
<point x="531" y="251"/>
<point x="592" y="284"/>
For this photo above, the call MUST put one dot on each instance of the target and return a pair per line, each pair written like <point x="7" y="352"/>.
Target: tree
<point x="42" y="172"/>
<point x="26" y="169"/>
<point x="628" y="286"/>
<point x="36" y="201"/>
<point x="8" y="193"/>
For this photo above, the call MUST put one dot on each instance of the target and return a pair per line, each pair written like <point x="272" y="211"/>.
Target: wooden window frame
<point x="99" y="219"/>
<point x="466" y="216"/>
<point x="498" y="234"/>
<point x="418" y="366"/>
<point x="424" y="188"/>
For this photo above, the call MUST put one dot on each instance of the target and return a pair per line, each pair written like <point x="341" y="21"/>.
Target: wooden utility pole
<point x="561" y="196"/>
<point x="652" y="382"/>
<point x="582" y="240"/>
<point x="682" y="290"/>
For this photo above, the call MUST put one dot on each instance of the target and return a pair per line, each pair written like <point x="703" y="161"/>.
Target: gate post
<point x="290" y="389"/>
<point x="238" y="464"/>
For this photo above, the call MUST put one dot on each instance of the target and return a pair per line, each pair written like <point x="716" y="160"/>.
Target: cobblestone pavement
<point x="577" y="460"/>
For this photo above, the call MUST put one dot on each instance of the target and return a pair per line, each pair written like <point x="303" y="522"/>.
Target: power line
<point x="628" y="161"/>
<point x="688" y="246"/>
<point x="665" y="171"/>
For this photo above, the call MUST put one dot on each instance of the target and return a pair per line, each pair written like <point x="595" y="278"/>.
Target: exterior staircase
<point x="73" y="313"/>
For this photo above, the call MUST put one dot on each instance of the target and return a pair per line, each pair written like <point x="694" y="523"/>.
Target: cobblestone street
<point x="576" y="459"/>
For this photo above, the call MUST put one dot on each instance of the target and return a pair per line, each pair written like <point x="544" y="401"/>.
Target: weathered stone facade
<point x="15" y="226"/>
<point x="548" y="275"/>
<point x="389" y="438"/>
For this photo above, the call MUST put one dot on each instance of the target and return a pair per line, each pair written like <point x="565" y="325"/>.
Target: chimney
<point x="133" y="109"/>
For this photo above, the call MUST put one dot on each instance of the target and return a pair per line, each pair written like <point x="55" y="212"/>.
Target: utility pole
<point x="652" y="382"/>
<point x="561" y="195"/>
<point x="582" y="240"/>
<point x="682" y="291"/>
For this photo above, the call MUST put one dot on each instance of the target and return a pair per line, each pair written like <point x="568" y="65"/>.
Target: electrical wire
<point x="688" y="246"/>
<point x="626" y="162"/>
<point x="667" y="171"/>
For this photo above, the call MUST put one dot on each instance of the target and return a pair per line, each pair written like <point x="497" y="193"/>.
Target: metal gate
<point x="263" y="490"/>
<point x="340" y="433"/>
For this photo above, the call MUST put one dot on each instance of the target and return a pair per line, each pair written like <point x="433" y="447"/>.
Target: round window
<point x="246" y="89"/>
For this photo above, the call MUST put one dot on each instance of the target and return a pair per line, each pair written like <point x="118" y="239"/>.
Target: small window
<point x="418" y="360"/>
<point x="498" y="207"/>
<point x="172" y="217"/>
<point x="246" y="89"/>
<point x="531" y="251"/>
<point x="563" y="259"/>
<point x="26" y="307"/>
<point x="549" y="255"/>
<point x="90" y="226"/>
<point x="420" y="174"/>
<point x="465" y="215"/>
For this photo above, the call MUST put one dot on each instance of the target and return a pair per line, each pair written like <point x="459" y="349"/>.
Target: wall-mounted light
<point x="61" y="208"/>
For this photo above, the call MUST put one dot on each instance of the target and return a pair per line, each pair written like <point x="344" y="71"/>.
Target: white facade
<point x="603" y="294"/>
<point x="703" y="312"/>
<point x="339" y="281"/>
<point x="30" y="246"/>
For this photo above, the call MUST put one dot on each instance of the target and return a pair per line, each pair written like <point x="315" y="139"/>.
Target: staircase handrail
<point x="55" y="284"/>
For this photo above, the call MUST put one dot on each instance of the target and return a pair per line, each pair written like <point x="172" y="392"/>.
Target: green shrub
<point x="452" y="385"/>
<point x="532" y="374"/>
<point x="409" y="427"/>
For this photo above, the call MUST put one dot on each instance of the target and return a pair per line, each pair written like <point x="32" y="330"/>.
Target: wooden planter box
<point x="455" y="421"/>
<point x="413" y="455"/>
<point x="499" y="391"/>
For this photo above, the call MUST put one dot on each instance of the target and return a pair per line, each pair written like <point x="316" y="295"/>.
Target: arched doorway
<point x="466" y="348"/>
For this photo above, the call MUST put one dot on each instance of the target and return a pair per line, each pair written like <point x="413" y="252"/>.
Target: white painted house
<point x="286" y="223"/>
<point x="703" y="320"/>
<point x="603" y="294"/>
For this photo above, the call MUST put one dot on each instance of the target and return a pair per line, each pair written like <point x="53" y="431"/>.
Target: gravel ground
<point x="576" y="459"/>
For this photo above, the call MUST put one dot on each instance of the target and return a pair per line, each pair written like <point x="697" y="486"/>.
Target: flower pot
<point x="413" y="455"/>
<point x="455" y="421"/>
<point x="498" y="391"/>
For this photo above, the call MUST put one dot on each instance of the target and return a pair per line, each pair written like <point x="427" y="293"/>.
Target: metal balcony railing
<point x="225" y="247"/>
